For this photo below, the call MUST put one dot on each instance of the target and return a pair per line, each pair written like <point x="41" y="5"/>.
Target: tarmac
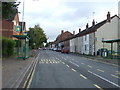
<point x="13" y="68"/>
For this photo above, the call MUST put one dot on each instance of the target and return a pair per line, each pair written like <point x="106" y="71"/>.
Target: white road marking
<point x="100" y="70"/>
<point x="105" y="79"/>
<point x="82" y="63"/>
<point x="89" y="66"/>
<point x="74" y="70"/>
<point x="74" y="64"/>
<point x="67" y="65"/>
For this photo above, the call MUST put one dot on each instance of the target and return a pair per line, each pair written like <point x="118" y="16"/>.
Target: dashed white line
<point x="105" y="79"/>
<point x="74" y="64"/>
<point x="67" y="65"/>
<point x="89" y="66"/>
<point x="83" y="63"/>
<point x="100" y="70"/>
<point x="74" y="70"/>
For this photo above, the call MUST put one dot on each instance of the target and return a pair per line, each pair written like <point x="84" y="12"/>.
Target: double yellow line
<point x="29" y="78"/>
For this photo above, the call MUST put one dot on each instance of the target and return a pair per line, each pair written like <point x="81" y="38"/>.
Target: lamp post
<point x="22" y="28"/>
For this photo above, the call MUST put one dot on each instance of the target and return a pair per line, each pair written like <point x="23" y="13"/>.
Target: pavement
<point x="13" y="68"/>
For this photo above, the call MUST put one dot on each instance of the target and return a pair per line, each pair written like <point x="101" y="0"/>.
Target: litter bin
<point x="103" y="52"/>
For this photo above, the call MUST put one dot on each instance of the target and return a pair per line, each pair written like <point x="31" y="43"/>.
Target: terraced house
<point x="89" y="41"/>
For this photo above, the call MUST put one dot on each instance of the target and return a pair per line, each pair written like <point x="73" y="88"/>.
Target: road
<point x="57" y="70"/>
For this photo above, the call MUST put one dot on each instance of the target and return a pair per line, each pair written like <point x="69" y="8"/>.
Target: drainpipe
<point x="94" y="44"/>
<point x="118" y="49"/>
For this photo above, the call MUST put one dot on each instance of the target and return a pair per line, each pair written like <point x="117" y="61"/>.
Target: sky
<point x="68" y="15"/>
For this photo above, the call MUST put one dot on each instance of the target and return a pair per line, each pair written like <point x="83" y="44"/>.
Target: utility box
<point x="23" y="46"/>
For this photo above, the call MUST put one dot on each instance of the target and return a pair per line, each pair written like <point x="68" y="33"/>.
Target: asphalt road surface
<point x="57" y="70"/>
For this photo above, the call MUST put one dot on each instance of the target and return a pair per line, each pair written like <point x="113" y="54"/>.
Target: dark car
<point x="65" y="50"/>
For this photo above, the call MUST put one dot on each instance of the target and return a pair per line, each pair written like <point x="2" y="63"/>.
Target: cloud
<point x="56" y="15"/>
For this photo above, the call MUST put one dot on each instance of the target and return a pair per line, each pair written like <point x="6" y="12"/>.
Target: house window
<point x="90" y="47"/>
<point x="85" y="48"/>
<point x="85" y="37"/>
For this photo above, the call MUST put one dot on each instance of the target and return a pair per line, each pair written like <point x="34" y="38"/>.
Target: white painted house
<point x="108" y="31"/>
<point x="89" y="41"/>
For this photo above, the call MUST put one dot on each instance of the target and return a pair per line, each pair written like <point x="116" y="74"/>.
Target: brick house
<point x="9" y="27"/>
<point x="60" y="39"/>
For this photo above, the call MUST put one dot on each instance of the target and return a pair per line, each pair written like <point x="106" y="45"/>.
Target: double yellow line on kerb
<point x="30" y="76"/>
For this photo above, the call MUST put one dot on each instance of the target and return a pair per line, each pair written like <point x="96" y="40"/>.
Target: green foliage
<point x="9" y="9"/>
<point x="7" y="47"/>
<point x="37" y="37"/>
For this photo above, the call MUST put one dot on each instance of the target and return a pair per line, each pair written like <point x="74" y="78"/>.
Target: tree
<point x="9" y="9"/>
<point x="37" y="37"/>
<point x="47" y="45"/>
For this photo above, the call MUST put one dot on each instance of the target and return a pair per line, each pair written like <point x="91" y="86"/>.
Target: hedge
<point x="7" y="47"/>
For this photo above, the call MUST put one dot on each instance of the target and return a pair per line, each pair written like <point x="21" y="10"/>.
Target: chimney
<point x="73" y="32"/>
<point x="62" y="31"/>
<point x="79" y="30"/>
<point x="93" y="23"/>
<point x="108" y="17"/>
<point x="87" y="26"/>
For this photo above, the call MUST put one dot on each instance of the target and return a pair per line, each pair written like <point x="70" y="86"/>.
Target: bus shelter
<point x="22" y="46"/>
<point x="113" y="54"/>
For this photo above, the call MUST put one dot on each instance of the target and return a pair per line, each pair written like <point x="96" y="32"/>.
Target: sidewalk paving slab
<point x="12" y="68"/>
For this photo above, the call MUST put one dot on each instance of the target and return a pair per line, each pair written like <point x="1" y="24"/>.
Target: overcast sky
<point x="68" y="15"/>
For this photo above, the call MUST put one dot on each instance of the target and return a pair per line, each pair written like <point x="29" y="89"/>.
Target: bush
<point x="7" y="47"/>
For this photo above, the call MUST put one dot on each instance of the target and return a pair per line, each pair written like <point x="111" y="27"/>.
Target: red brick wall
<point x="7" y="24"/>
<point x="63" y="36"/>
<point x="8" y="27"/>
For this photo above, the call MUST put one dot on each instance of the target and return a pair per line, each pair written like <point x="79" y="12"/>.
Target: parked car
<point x="65" y="50"/>
<point x="54" y="49"/>
<point x="44" y="48"/>
<point x="58" y="50"/>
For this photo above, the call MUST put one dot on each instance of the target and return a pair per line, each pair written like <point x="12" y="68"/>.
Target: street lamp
<point x="21" y="32"/>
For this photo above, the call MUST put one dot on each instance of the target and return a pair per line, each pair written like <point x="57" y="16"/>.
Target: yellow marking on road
<point x="115" y="76"/>
<point x="83" y="76"/>
<point x="97" y="86"/>
<point x="47" y="62"/>
<point x="82" y="63"/>
<point x="89" y="66"/>
<point x="74" y="70"/>
<point x="29" y="83"/>
<point x="118" y="73"/>
<point x="67" y="65"/>
<point x="100" y="70"/>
